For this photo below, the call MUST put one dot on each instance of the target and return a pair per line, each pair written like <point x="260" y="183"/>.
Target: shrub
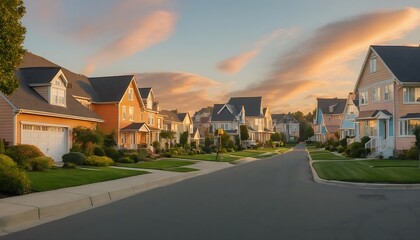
<point x="74" y="157"/>
<point x="167" y="154"/>
<point x="332" y="149"/>
<point x="341" y="149"/>
<point x="412" y="154"/>
<point x="69" y="165"/>
<point x="125" y="160"/>
<point x="191" y="153"/>
<point x="343" y="142"/>
<point x="98" y="161"/>
<point x="98" y="151"/>
<point x="223" y="150"/>
<point x="6" y="162"/>
<point x="14" y="180"/>
<point x="327" y="147"/>
<point x="364" y="140"/>
<point x="41" y="163"/>
<point x="229" y="150"/>
<point x="136" y="158"/>
<point x="21" y="154"/>
<point x="207" y="150"/>
<point x="112" y="153"/>
<point x="76" y="148"/>
<point x="143" y="154"/>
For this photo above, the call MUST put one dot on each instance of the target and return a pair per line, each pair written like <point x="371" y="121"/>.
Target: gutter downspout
<point x="15" y="124"/>
<point x="396" y="122"/>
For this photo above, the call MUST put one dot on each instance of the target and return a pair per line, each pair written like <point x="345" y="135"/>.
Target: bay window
<point x="407" y="126"/>
<point x="411" y="94"/>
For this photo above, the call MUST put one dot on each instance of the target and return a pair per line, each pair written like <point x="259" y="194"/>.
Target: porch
<point x="378" y="126"/>
<point x="135" y="136"/>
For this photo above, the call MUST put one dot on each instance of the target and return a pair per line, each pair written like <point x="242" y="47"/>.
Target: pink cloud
<point x="316" y="63"/>
<point x="152" y="29"/>
<point x="236" y="63"/>
<point x="182" y="91"/>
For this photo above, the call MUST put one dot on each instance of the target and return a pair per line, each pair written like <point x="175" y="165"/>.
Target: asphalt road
<point x="269" y="199"/>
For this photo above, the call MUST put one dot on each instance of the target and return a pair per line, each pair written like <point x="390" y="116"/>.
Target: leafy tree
<point x="12" y="34"/>
<point x="86" y="137"/>
<point x="416" y="132"/>
<point x="183" y="139"/>
<point x="109" y="140"/>
<point x="244" y="132"/>
<point x="275" y="137"/>
<point x="225" y="139"/>
<point x="167" y="135"/>
<point x="208" y="141"/>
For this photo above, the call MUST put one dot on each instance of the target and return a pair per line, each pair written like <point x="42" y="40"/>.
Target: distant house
<point x="201" y="121"/>
<point x="243" y="111"/>
<point x="286" y="124"/>
<point x="388" y="87"/>
<point x="48" y="104"/>
<point x="178" y="123"/>
<point x="152" y="113"/>
<point x="348" y="123"/>
<point x="329" y="114"/>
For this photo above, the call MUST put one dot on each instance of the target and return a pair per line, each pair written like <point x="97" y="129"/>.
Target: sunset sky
<point x="195" y="53"/>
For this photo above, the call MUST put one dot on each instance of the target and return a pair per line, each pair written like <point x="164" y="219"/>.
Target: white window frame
<point x="407" y="95"/>
<point x="376" y="94"/>
<point x="372" y="65"/>
<point x="131" y="113"/>
<point x="130" y="94"/>
<point x="388" y="92"/>
<point x="405" y="129"/>
<point x="124" y="112"/>
<point x="364" y="97"/>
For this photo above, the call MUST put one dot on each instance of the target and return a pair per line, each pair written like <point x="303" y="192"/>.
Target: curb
<point x="317" y="179"/>
<point x="21" y="213"/>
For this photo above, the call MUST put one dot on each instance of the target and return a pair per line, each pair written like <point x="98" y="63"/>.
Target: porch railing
<point x="387" y="143"/>
<point x="372" y="144"/>
<point x="378" y="145"/>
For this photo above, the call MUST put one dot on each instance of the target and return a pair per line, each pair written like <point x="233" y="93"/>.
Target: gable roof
<point x="25" y="98"/>
<point x="283" y="118"/>
<point x="332" y="105"/>
<point x="253" y="105"/>
<point x="223" y="115"/>
<point x="170" y="116"/>
<point x="277" y="117"/>
<point x="144" y="92"/>
<point x="181" y="116"/>
<point x="110" y="89"/>
<point x="403" y="61"/>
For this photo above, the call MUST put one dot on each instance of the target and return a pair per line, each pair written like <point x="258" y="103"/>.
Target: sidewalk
<point x="21" y="212"/>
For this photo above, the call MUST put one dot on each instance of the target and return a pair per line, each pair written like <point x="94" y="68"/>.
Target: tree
<point x="12" y="34"/>
<point x="225" y="139"/>
<point x="183" y="139"/>
<point x="244" y="132"/>
<point x="167" y="134"/>
<point x="275" y="137"/>
<point x="416" y="132"/>
<point x="86" y="137"/>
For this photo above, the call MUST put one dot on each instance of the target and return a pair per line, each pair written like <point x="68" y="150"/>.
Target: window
<point x="350" y="108"/>
<point x="131" y="113"/>
<point x="123" y="137"/>
<point x="130" y="94"/>
<point x="151" y="119"/>
<point x="407" y="126"/>
<point x="388" y="92"/>
<point x="363" y="97"/>
<point x="124" y="112"/>
<point x="58" y="96"/>
<point x="159" y="123"/>
<point x="376" y="94"/>
<point x="372" y="65"/>
<point x="411" y="95"/>
<point x="224" y="126"/>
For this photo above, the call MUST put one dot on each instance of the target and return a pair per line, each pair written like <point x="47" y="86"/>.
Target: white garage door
<point x="52" y="141"/>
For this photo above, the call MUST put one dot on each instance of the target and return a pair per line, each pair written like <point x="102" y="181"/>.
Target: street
<point x="274" y="198"/>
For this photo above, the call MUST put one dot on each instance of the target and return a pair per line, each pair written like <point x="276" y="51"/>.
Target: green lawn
<point x="61" y="178"/>
<point x="164" y="164"/>
<point x="370" y="171"/>
<point x="326" y="155"/>
<point x="210" y="157"/>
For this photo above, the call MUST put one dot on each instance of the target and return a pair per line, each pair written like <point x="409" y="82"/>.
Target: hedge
<point x="98" y="161"/>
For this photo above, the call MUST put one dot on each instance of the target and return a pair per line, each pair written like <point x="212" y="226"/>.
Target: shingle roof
<point x="372" y="113"/>
<point x="134" y="127"/>
<point x="39" y="75"/>
<point x="224" y="115"/>
<point x="332" y="105"/>
<point x="411" y="115"/>
<point x="110" y="89"/>
<point x="170" y="116"/>
<point x="25" y="97"/>
<point x="144" y="92"/>
<point x="277" y="117"/>
<point x="252" y="105"/>
<point x="181" y="116"/>
<point x="403" y="61"/>
<point x="283" y="118"/>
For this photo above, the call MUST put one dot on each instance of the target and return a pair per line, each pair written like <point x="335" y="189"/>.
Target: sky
<point x="196" y="53"/>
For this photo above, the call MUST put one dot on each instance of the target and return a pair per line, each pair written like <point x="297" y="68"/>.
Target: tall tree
<point x="244" y="132"/>
<point x="12" y="34"/>
<point x="167" y="135"/>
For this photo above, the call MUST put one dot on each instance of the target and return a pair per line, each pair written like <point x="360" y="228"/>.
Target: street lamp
<point x="219" y="133"/>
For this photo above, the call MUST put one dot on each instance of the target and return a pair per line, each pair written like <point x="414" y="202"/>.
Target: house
<point x="178" y="123"/>
<point x="388" y="87"/>
<point x="286" y="124"/>
<point x="45" y="108"/>
<point x="348" y="125"/>
<point x="243" y="111"/>
<point x="201" y="121"/>
<point x="329" y="113"/>
<point x="152" y="113"/>
<point x="118" y="101"/>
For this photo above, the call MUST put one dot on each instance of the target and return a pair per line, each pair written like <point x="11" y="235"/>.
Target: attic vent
<point x="331" y="108"/>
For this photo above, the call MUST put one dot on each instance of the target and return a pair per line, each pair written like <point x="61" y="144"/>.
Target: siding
<point x="402" y="109"/>
<point x="6" y="121"/>
<point x="368" y="78"/>
<point x="109" y="113"/>
<point x="43" y="91"/>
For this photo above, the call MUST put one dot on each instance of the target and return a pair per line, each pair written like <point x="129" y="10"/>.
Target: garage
<point x="51" y="140"/>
